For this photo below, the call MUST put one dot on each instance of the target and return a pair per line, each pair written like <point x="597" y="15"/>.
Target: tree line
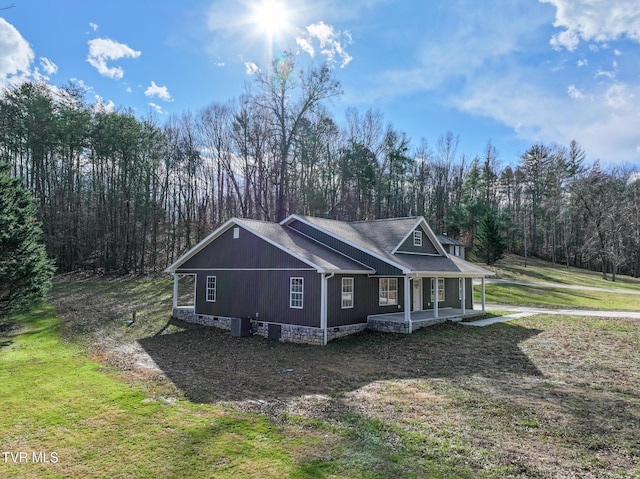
<point x="123" y="194"/>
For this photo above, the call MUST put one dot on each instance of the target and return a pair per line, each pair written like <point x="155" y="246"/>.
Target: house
<point x="452" y="246"/>
<point x="312" y="280"/>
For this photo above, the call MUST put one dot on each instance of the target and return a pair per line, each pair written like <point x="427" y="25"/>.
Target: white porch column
<point x="435" y="297"/>
<point x="175" y="290"/>
<point x="483" y="299"/>
<point x="463" y="306"/>
<point x="407" y="302"/>
<point x="323" y="307"/>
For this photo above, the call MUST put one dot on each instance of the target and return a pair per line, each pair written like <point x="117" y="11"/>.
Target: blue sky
<point x="510" y="72"/>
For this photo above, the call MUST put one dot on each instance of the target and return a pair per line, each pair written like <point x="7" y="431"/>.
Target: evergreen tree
<point x="25" y="270"/>
<point x="488" y="241"/>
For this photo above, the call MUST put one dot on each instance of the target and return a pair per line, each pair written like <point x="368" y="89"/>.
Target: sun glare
<point x="270" y="16"/>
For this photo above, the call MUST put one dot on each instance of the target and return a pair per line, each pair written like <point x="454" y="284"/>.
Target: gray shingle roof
<point x="378" y="236"/>
<point x="319" y="255"/>
<point x="444" y="239"/>
<point x="383" y="236"/>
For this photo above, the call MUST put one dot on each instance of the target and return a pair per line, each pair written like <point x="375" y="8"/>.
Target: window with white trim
<point x="296" y="293"/>
<point x="347" y="293"/>
<point x="417" y="238"/>
<point x="388" y="291"/>
<point x="211" y="289"/>
<point x="440" y="289"/>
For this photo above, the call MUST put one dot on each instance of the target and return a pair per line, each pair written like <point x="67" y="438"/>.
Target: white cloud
<point x="583" y="62"/>
<point x="251" y="68"/>
<point x="605" y="73"/>
<point x="306" y="46"/>
<point x="94" y="26"/>
<point x="48" y="66"/>
<point x="234" y="32"/>
<point x="332" y="43"/>
<point x="101" y="107"/>
<point x="575" y="93"/>
<point x="16" y="55"/>
<point x="103" y="49"/>
<point x="157" y="108"/>
<point x="158" y="91"/>
<point x="603" y="121"/>
<point x="594" y="21"/>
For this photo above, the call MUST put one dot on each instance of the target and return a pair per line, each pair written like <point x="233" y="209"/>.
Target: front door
<point x="417" y="294"/>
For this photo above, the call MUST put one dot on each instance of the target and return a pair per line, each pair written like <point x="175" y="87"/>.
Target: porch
<point x="397" y="323"/>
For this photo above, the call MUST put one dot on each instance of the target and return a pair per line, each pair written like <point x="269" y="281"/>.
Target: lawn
<point x="512" y="267"/>
<point x="542" y="396"/>
<point x="558" y="298"/>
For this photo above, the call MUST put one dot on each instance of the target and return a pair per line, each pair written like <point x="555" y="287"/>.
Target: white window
<point x="211" y="289"/>
<point x="417" y="238"/>
<point x="236" y="233"/>
<point x="347" y="293"/>
<point x="456" y="250"/>
<point x="388" y="291"/>
<point x="296" y="293"/>
<point x="440" y="289"/>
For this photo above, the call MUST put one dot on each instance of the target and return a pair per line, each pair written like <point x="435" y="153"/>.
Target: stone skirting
<point x="185" y="314"/>
<point x="396" y="326"/>
<point x="340" y="331"/>
<point x="291" y="333"/>
<point x="189" y="315"/>
<point x="303" y="334"/>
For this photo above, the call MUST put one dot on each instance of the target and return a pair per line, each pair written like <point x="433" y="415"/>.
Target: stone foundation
<point x="185" y="314"/>
<point x="395" y="326"/>
<point x="189" y="315"/>
<point x="292" y="333"/>
<point x="388" y="326"/>
<point x="340" y="331"/>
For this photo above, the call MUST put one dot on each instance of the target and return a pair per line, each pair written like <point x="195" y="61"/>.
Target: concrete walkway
<point x="521" y="312"/>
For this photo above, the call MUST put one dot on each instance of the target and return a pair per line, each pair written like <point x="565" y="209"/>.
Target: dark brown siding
<point x="426" y="248"/>
<point x="365" y="300"/>
<point x="262" y="295"/>
<point x="381" y="267"/>
<point x="247" y="251"/>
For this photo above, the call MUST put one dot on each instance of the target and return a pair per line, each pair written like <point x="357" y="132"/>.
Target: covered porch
<point x="397" y="322"/>
<point x="419" y="312"/>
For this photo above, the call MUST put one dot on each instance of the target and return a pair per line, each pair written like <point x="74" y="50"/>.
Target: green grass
<point x="542" y="396"/>
<point x="559" y="298"/>
<point x="512" y="267"/>
<point x="56" y="400"/>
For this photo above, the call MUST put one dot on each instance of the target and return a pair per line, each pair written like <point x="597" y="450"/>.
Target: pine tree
<point x="25" y="270"/>
<point x="488" y="242"/>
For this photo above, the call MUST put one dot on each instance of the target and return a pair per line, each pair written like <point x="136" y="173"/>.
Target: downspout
<point x="323" y="305"/>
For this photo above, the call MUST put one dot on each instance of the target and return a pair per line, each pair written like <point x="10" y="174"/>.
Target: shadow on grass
<point x="209" y="365"/>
